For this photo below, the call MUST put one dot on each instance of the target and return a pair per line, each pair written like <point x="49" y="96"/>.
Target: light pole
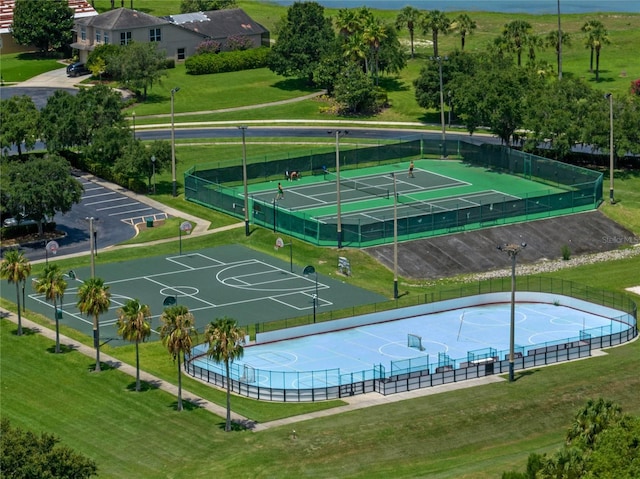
<point x="244" y="180"/>
<point x="133" y="114"/>
<point x="92" y="246"/>
<point x="307" y="271"/>
<point x="559" y="45"/>
<point x="174" y="190"/>
<point x="512" y="250"/>
<point x="395" y="237"/>
<point x="609" y="96"/>
<point x="153" y="171"/>
<point x="444" y="134"/>
<point x="338" y="133"/>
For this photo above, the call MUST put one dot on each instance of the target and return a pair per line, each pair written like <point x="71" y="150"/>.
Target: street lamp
<point x="609" y="96"/>
<point x="395" y="237"/>
<point x="153" y="171"/>
<point x="512" y="250"/>
<point x="444" y="134"/>
<point x="338" y="133"/>
<point x="307" y="271"/>
<point x="92" y="246"/>
<point x="244" y="180"/>
<point x="173" y="145"/>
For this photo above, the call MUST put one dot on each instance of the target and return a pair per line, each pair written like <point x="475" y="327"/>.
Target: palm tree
<point x="177" y="333"/>
<point x="435" y="22"/>
<point x="347" y="21"/>
<point x="374" y="32"/>
<point x="597" y="36"/>
<point x="551" y="41"/>
<point x="589" y="28"/>
<point x="225" y="341"/>
<point x="16" y="269"/>
<point x="94" y="299"/>
<point x="465" y="26"/>
<point x="515" y="36"/>
<point x="53" y="286"/>
<point x="591" y="420"/>
<point x="133" y="325"/>
<point x="409" y="17"/>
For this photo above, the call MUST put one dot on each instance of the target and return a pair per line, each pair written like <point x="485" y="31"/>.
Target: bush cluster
<point x="227" y="61"/>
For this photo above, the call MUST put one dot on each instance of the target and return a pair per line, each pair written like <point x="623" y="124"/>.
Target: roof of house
<point x="218" y="23"/>
<point x="81" y="8"/>
<point x="122" y="19"/>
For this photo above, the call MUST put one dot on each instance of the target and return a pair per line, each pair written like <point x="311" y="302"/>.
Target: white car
<point x="7" y="223"/>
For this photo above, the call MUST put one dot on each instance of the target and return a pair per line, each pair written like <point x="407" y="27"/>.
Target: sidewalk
<point x="353" y="402"/>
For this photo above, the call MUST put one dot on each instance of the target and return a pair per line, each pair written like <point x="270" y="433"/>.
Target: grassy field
<point x="467" y="434"/>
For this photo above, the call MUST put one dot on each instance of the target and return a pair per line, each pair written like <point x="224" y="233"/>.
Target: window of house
<point x="125" y="38"/>
<point x="155" y="35"/>
<point x="106" y="37"/>
<point x="98" y="36"/>
<point x="181" y="54"/>
<point x="83" y="33"/>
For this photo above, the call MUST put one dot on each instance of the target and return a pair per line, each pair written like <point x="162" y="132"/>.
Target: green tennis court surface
<point x="231" y="281"/>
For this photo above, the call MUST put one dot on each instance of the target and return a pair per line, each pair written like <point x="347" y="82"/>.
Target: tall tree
<point x="225" y="341"/>
<point x="18" y="123"/>
<point x="46" y="24"/>
<point x="515" y="37"/>
<point x="177" y="333"/>
<point x="94" y="299"/>
<point x="435" y="22"/>
<point x="597" y="36"/>
<point x="555" y="41"/>
<point x="52" y="285"/>
<point x="27" y="454"/>
<point x="141" y="65"/>
<point x="409" y="17"/>
<point x="374" y="32"/>
<point x="587" y="28"/>
<point x="304" y="36"/>
<point x="40" y="188"/>
<point x="15" y="268"/>
<point x="464" y="25"/>
<point x="134" y="325"/>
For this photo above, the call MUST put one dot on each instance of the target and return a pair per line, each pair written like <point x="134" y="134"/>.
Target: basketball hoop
<point x="52" y="247"/>
<point x="279" y="244"/>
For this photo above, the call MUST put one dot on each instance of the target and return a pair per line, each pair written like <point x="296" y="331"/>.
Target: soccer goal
<point x="415" y="341"/>
<point x="249" y="375"/>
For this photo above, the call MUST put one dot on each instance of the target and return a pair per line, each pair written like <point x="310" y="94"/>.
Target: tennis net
<point x="358" y="185"/>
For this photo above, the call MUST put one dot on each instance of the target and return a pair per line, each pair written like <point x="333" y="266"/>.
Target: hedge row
<point x="238" y="60"/>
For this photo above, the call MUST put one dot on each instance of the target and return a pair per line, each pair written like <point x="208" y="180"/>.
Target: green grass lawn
<point x="467" y="434"/>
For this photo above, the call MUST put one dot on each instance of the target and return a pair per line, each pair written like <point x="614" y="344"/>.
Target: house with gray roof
<point x="177" y="35"/>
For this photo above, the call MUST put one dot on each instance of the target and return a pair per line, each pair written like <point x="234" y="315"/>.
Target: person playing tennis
<point x="410" y="175"/>
<point x="280" y="194"/>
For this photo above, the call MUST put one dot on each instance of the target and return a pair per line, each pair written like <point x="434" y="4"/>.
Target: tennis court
<point x="450" y="338"/>
<point x="372" y="197"/>
<point x="231" y="281"/>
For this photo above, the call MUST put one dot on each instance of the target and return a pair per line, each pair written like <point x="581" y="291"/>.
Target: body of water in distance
<point x="503" y="6"/>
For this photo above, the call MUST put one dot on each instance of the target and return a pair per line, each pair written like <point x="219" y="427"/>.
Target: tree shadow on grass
<point x="144" y="386"/>
<point x="64" y="349"/>
<point x="186" y="405"/>
<point x="392" y="84"/>
<point x="103" y="367"/>
<point x="294" y="84"/>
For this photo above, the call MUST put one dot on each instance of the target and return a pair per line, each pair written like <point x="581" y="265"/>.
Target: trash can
<point x="149" y="222"/>
<point x="58" y="313"/>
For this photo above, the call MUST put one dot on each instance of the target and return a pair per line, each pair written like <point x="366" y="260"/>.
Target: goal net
<point x="249" y="375"/>
<point x="415" y="341"/>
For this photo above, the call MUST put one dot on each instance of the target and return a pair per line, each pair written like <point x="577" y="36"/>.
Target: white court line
<point x="117" y="206"/>
<point x="177" y="289"/>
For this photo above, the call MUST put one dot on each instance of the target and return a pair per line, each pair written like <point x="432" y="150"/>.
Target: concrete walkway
<point x="353" y="402"/>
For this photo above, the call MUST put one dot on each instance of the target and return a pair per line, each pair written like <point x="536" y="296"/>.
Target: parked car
<point x="9" y="222"/>
<point x="77" y="69"/>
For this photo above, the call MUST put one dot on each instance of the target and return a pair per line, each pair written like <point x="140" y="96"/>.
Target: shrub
<point x="227" y="61"/>
<point x="635" y="87"/>
<point x="208" y="46"/>
<point x="566" y="252"/>
<point x="239" y="42"/>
